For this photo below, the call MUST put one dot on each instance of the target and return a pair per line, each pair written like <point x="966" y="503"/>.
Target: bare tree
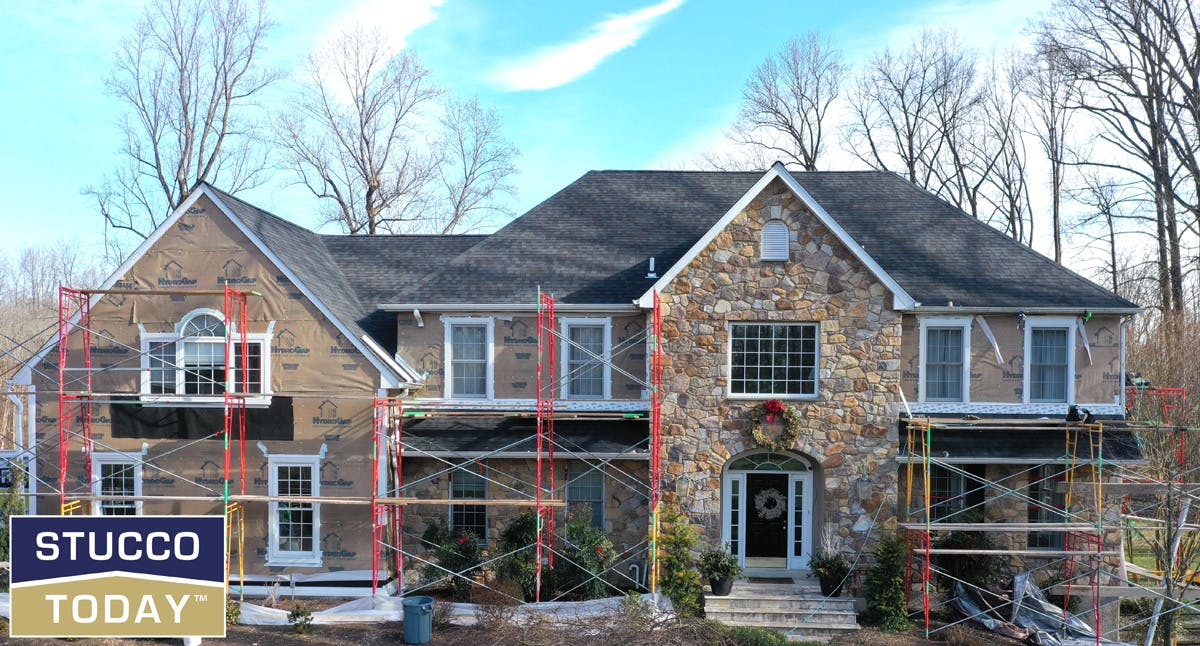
<point x="354" y="138"/>
<point x="786" y="102"/>
<point x="1001" y="147"/>
<point x="187" y="76"/>
<point x="476" y="166"/>
<point x="1113" y="50"/>
<point x="1050" y="90"/>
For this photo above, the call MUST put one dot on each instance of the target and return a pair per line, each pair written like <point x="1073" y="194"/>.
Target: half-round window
<point x="776" y="238"/>
<point x="203" y="325"/>
<point x="768" y="462"/>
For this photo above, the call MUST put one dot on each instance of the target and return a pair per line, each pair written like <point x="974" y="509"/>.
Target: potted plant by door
<point x="830" y="568"/>
<point x="720" y="568"/>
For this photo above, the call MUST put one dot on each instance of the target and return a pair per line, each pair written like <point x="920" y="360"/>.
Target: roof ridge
<point x="231" y="196"/>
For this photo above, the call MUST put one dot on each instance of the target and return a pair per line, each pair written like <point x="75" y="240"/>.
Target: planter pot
<point x="831" y="587"/>
<point x="721" y="587"/>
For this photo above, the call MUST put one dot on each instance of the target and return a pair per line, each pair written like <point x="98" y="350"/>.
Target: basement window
<point x="294" y="524"/>
<point x="188" y="365"/>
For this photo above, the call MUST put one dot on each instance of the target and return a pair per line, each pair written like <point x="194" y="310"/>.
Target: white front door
<point x="738" y="509"/>
<point x="800" y="521"/>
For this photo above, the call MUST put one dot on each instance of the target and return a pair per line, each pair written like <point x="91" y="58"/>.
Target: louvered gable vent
<point x="775" y="239"/>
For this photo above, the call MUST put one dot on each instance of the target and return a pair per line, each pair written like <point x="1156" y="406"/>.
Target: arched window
<point x="190" y="362"/>
<point x="768" y="461"/>
<point x="776" y="241"/>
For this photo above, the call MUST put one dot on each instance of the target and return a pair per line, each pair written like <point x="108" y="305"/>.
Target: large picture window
<point x="469" y="357"/>
<point x="189" y="364"/>
<point x="295" y="525"/>
<point x="773" y="359"/>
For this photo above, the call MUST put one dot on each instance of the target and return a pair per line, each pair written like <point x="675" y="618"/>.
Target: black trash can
<point x="418" y="620"/>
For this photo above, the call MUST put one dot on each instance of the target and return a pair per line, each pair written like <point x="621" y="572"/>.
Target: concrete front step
<point x="797" y="610"/>
<point x="779" y="603"/>
<point x="756" y="617"/>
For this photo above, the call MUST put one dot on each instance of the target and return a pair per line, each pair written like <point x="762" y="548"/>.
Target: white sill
<point x="765" y="397"/>
<point x="200" y="401"/>
<point x="293" y="561"/>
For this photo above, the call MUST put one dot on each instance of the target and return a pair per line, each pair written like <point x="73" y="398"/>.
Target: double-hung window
<point x="1046" y="505"/>
<point x="585" y="351"/>
<point x="117" y="479"/>
<point x="773" y="359"/>
<point x="295" y="525"/>
<point x="189" y="363"/>
<point x="1049" y="360"/>
<point x="466" y="484"/>
<point x="585" y="489"/>
<point x="945" y="359"/>
<point x="468" y="345"/>
<point x="955" y="496"/>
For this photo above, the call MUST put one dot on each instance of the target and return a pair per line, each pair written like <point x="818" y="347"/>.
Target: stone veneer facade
<point x="849" y="428"/>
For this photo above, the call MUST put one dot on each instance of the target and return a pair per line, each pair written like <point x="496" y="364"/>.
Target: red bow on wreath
<point x="773" y="407"/>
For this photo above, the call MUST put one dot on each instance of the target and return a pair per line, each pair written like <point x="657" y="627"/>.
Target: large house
<point x="856" y="299"/>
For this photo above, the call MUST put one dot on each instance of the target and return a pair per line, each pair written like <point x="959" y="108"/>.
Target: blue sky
<point x="581" y="85"/>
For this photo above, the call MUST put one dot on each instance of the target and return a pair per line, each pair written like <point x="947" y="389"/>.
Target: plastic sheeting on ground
<point x="1033" y="618"/>
<point x="385" y="608"/>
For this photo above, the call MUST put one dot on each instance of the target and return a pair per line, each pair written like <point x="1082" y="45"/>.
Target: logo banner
<point x="117" y="576"/>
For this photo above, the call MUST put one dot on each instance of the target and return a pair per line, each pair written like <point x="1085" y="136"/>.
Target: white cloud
<point x="395" y="20"/>
<point x="560" y="64"/>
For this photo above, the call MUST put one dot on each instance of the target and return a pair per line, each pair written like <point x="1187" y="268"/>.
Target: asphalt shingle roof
<point x="592" y="241"/>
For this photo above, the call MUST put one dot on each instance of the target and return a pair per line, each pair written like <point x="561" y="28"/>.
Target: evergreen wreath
<point x="770" y="504"/>
<point x="769" y="411"/>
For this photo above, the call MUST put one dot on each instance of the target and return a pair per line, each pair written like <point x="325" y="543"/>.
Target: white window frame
<point x="963" y="322"/>
<point x="263" y="340"/>
<point x="762" y="241"/>
<point x="448" y="324"/>
<point x="606" y="354"/>
<point x="1051" y="322"/>
<point x="276" y="556"/>
<point x="588" y="469"/>
<point x="115" y="457"/>
<point x="765" y="396"/>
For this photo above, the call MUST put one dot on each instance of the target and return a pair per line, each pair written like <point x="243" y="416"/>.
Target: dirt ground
<point x="393" y="633"/>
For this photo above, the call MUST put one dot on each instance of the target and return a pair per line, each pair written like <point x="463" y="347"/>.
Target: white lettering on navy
<point x="131" y="546"/>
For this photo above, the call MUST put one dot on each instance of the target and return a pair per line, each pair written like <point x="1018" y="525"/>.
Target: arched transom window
<point x="190" y="362"/>
<point x="768" y="461"/>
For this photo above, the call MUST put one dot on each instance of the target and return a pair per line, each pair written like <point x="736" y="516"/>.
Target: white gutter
<point x="1071" y="311"/>
<point x="599" y="308"/>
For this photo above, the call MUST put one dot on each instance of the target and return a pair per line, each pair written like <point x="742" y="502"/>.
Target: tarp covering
<point x="1033" y="618"/>
<point x="379" y="609"/>
<point x="382" y="608"/>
